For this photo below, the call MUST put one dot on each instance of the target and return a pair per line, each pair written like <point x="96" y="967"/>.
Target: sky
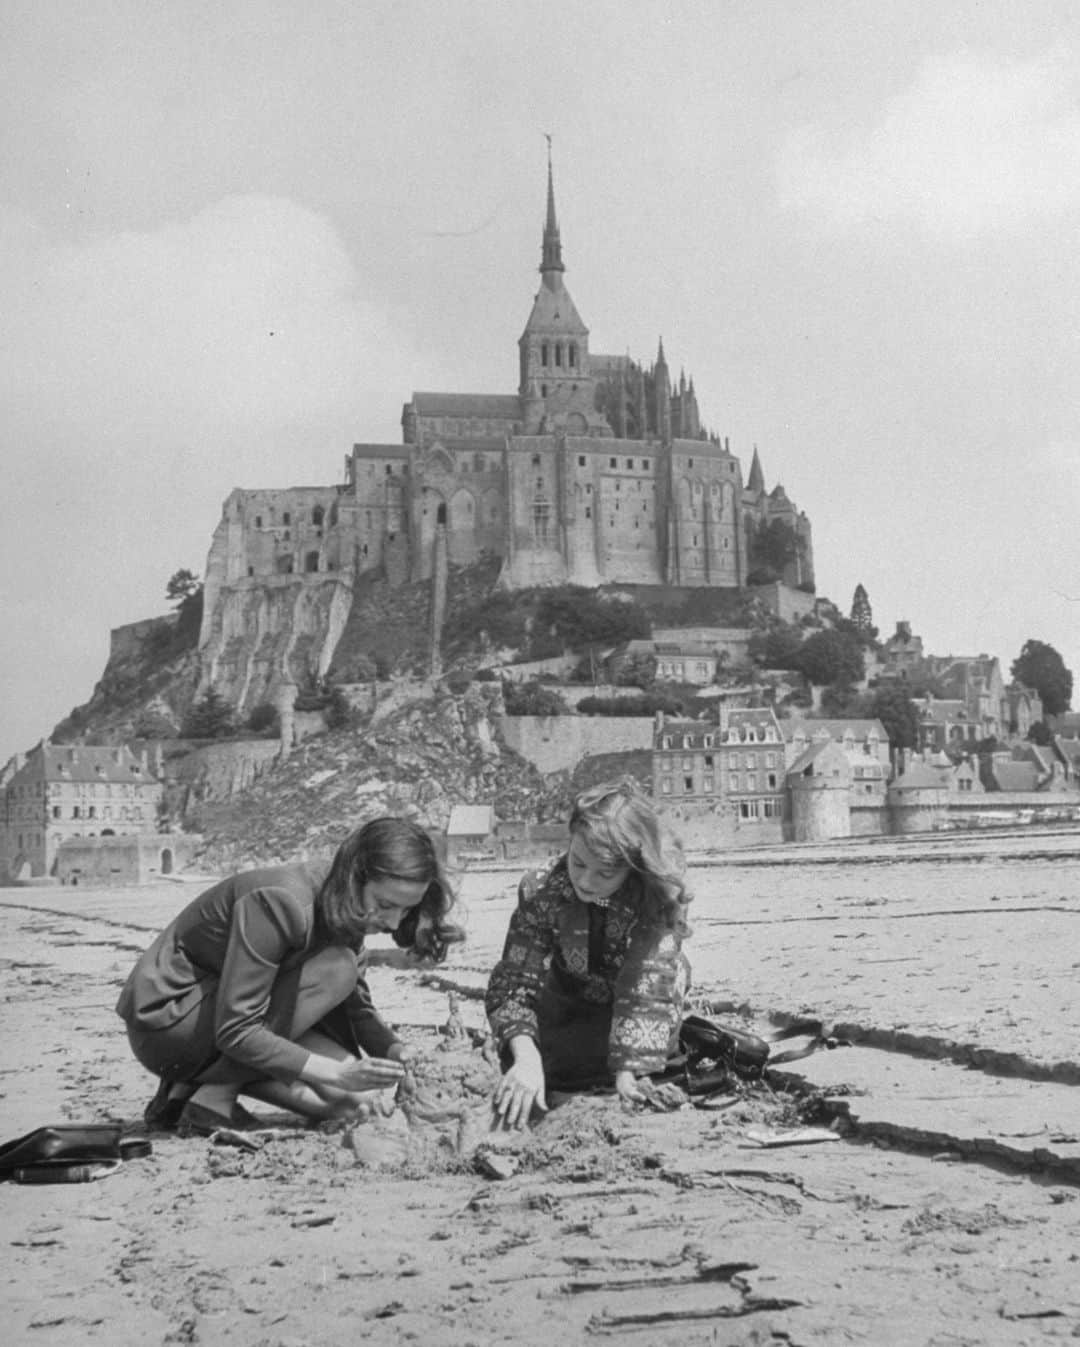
<point x="235" y="238"/>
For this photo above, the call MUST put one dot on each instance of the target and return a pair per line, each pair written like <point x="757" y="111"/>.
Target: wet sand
<point x="944" y="1211"/>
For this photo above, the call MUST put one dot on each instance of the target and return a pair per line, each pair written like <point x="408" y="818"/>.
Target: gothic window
<point x="317" y="516"/>
<point x="581" y="460"/>
<point x="629" y="462"/>
<point x="333" y="513"/>
<point x="286" y="518"/>
<point x="541" y="521"/>
<point x="536" y="460"/>
<point x="613" y="462"/>
<point x="573" y="354"/>
<point x="543" y="390"/>
<point x="558" y="353"/>
<point x="544" y="355"/>
<point x="645" y="464"/>
<point x="440" y="515"/>
<point x="389" y="470"/>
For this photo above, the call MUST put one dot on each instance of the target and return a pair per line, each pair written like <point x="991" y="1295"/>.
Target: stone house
<point x="64" y="791"/>
<point x="470" y="828"/>
<point x="686" y="760"/>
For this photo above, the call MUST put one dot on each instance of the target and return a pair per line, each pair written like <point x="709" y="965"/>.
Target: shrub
<point x="264" y="717"/>
<point x="533" y="699"/>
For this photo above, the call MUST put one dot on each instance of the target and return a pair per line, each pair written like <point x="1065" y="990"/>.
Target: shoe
<point x="162" y="1114"/>
<point x="196" y="1120"/>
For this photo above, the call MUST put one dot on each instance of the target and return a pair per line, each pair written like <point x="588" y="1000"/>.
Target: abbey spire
<point x="553" y="351"/>
<point x="551" y="249"/>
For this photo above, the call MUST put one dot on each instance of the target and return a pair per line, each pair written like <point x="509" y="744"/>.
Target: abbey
<point x="596" y="471"/>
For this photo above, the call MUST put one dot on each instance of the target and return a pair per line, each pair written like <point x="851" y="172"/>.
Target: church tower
<point x="556" y="384"/>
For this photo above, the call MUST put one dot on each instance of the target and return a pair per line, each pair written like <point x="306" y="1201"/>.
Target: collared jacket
<point x="232" y="942"/>
<point x="620" y="955"/>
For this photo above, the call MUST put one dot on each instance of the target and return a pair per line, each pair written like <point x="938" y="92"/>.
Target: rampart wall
<point x="558" y="743"/>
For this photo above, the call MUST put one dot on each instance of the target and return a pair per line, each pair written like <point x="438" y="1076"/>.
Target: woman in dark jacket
<point x="591" y="985"/>
<point x="257" y="987"/>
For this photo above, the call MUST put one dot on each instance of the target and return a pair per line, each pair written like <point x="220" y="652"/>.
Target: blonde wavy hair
<point x="618" y="822"/>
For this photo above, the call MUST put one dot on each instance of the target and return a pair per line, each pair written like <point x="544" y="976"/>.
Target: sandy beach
<point x="943" y="1210"/>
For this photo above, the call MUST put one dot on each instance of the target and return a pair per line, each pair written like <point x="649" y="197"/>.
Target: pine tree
<point x="862" y="614"/>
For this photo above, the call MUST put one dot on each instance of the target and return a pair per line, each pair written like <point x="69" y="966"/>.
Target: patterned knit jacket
<point x="637" y="967"/>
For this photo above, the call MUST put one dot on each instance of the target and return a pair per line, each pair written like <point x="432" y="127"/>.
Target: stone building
<point x="596" y="470"/>
<point x="739" y="761"/>
<point x="59" y="792"/>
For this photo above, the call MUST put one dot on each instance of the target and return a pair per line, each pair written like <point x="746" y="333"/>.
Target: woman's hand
<point x="368" y="1073"/>
<point x="522" y="1087"/>
<point x="629" y="1089"/>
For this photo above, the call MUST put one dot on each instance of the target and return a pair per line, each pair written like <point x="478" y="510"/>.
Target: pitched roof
<point x="553" y="311"/>
<point x="470" y="820"/>
<point x="920" y="776"/>
<point x="836" y="729"/>
<point x="83" y="763"/>
<point x="506" y="406"/>
<point x="1014" y="776"/>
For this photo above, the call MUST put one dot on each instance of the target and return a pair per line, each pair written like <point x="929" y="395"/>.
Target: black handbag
<point x="734" y="1051"/>
<point x="69" y="1153"/>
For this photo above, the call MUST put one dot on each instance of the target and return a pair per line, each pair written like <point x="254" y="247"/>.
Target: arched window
<point x="317" y="516"/>
<point x="544" y="353"/>
<point x="558" y="353"/>
<point x="573" y="354"/>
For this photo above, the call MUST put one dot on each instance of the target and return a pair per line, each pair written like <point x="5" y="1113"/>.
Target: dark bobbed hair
<point x="389" y="848"/>
<point x="619" y="823"/>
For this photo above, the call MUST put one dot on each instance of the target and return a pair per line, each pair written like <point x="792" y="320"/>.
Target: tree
<point x="774" y="547"/>
<point x="1040" y="733"/>
<point x="182" y="585"/>
<point x="777" y="648"/>
<point x="830" y="657"/>
<point x="185" y="589"/>
<point x="862" y="615"/>
<point x="898" y="714"/>
<point x="1039" y="666"/>
<point x="533" y="699"/>
<point x="210" y="718"/>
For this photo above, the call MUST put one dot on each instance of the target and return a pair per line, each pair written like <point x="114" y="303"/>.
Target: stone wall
<point x="787" y="603"/>
<point x="99" y="861"/>
<point x="220" y="771"/>
<point x="558" y="743"/>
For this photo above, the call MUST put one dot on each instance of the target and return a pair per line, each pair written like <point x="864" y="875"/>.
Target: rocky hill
<point x="419" y="761"/>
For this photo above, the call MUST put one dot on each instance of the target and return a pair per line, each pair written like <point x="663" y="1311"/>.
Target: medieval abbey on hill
<point x="596" y="471"/>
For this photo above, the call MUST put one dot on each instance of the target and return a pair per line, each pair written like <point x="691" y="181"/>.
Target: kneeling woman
<point x="257" y="988"/>
<point x="592" y="981"/>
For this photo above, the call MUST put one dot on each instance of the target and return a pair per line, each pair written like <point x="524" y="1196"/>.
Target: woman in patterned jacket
<point x="592" y="980"/>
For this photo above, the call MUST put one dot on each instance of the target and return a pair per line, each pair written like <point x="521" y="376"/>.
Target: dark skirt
<point x="575" y="1038"/>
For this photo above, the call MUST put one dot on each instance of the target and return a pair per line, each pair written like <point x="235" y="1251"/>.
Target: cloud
<point x="243" y="318"/>
<point x="977" y="145"/>
<point x="143" y="375"/>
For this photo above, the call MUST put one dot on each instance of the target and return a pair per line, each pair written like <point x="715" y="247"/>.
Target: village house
<point x="72" y="791"/>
